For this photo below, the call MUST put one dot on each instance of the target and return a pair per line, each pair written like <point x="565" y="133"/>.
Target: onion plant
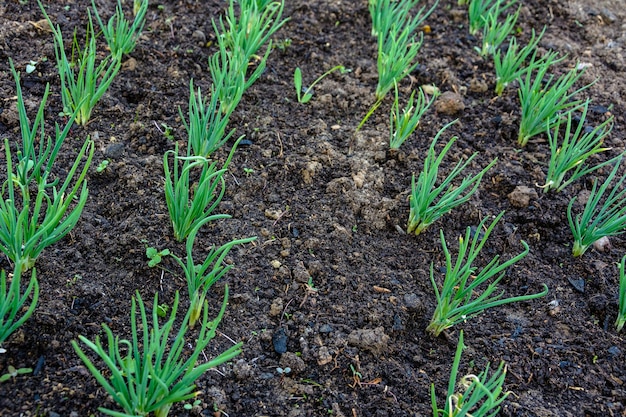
<point x="601" y="217"/>
<point x="200" y="277"/>
<point x="459" y="297"/>
<point x="120" y="34"/>
<point x="428" y="203"/>
<point x="35" y="156"/>
<point x="206" y="127"/>
<point x="13" y="301"/>
<point x="398" y="44"/>
<point x="569" y="154"/>
<point x="82" y="82"/>
<point x="153" y="370"/>
<point x="479" y="10"/>
<point x="403" y="124"/>
<point x="190" y="202"/>
<point x="473" y="395"/>
<point x="509" y="67"/>
<point x="44" y="218"/>
<point x="544" y="102"/>
<point x="239" y="40"/>
<point x="621" y="311"/>
<point x="495" y="31"/>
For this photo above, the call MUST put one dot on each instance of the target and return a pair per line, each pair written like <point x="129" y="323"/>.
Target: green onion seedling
<point x="601" y="217"/>
<point x="460" y="297"/>
<point x="479" y="395"/>
<point x="621" y="311"/>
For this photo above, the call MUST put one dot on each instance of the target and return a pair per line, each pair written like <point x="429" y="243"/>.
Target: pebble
<point x="374" y="340"/>
<point x="279" y="340"/>
<point x="114" y="150"/>
<point x="242" y="370"/>
<point x="449" y="103"/>
<point x="293" y="361"/>
<point x="326" y="328"/>
<point x="521" y="195"/>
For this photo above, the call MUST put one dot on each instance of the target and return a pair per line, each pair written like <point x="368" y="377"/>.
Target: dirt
<point x="330" y="204"/>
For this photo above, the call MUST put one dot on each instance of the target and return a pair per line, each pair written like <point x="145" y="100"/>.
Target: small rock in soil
<point x="602" y="245"/>
<point x="277" y="307"/>
<point x="293" y="361"/>
<point x="242" y="370"/>
<point x="114" y="150"/>
<point x="578" y="284"/>
<point x="412" y="302"/>
<point x="279" y="340"/>
<point x="300" y="273"/>
<point x="324" y="356"/>
<point x="326" y="328"/>
<point x="449" y="103"/>
<point x="521" y="195"/>
<point x="374" y="340"/>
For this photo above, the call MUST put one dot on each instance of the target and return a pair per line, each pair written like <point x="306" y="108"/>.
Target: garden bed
<point x="329" y="203"/>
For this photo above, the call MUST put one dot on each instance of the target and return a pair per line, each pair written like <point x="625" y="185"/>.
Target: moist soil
<point x="329" y="204"/>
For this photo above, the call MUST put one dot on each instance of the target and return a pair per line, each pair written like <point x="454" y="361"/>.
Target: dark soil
<point x="326" y="203"/>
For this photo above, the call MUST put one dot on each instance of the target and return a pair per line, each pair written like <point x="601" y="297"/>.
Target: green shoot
<point x="120" y="35"/>
<point x="621" y="310"/>
<point x="12" y="301"/>
<point x="599" y="219"/>
<point x="82" y="82"/>
<point x="481" y="396"/>
<point x="459" y="298"/>
<point x="479" y="10"/>
<point x="509" y="66"/>
<point x="398" y="44"/>
<point x="35" y="160"/>
<point x="239" y="40"/>
<point x="305" y="94"/>
<point x="544" y="102"/>
<point x="495" y="32"/>
<point x="572" y="151"/>
<point x="206" y="128"/>
<point x="424" y="209"/>
<point x="189" y="203"/>
<point x="153" y="370"/>
<point x="27" y="229"/>
<point x="402" y="125"/>
<point x="14" y="373"/>
<point x="201" y="277"/>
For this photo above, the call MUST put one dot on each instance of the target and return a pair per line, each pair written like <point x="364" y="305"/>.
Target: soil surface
<point x="330" y="204"/>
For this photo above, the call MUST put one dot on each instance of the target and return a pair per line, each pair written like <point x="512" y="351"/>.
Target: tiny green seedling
<point x="248" y="171"/>
<point x="162" y="310"/>
<point x="14" y="373"/>
<point x="155" y="257"/>
<point x="196" y="403"/>
<point x="102" y="166"/>
<point x="621" y="311"/>
<point x="305" y="94"/>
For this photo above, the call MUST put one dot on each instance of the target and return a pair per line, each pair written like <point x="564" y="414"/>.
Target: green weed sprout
<point x="459" y="298"/>
<point x="569" y="154"/>
<point x="509" y="67"/>
<point x="201" y="277"/>
<point x="542" y="102"/>
<point x="479" y="10"/>
<point x="621" y="311"/>
<point x="35" y="157"/>
<point x="479" y="396"/>
<point x="495" y="32"/>
<point x="189" y="203"/>
<point x="27" y="229"/>
<point x="398" y="45"/>
<point x="424" y="209"/>
<point x="206" y="127"/>
<point x="402" y="125"/>
<point x="599" y="218"/>
<point x="120" y="34"/>
<point x="153" y="370"/>
<point x="305" y="95"/>
<point x="12" y="301"/>
<point x="82" y="82"/>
